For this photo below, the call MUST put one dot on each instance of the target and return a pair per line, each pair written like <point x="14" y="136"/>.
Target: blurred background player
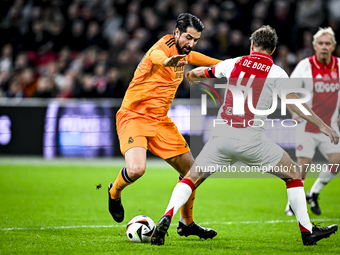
<point x="232" y="141"/>
<point x="319" y="74"/>
<point x="142" y="121"/>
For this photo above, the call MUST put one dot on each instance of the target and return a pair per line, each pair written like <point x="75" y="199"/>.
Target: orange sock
<point x="120" y="183"/>
<point x="187" y="209"/>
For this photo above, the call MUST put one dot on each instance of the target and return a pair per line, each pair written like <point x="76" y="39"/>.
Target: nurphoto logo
<point x="241" y="94"/>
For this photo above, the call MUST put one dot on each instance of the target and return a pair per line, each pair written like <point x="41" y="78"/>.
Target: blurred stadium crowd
<point x="90" y="48"/>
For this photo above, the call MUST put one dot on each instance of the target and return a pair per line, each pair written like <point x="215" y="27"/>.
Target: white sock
<point x="179" y="197"/>
<point x="324" y="178"/>
<point x="287" y="206"/>
<point x="297" y="201"/>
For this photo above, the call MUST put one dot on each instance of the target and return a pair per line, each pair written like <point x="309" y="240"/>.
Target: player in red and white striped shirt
<point x="237" y="140"/>
<point x="319" y="74"/>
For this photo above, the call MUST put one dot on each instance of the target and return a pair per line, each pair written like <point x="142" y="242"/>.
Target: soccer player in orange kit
<point x="142" y="121"/>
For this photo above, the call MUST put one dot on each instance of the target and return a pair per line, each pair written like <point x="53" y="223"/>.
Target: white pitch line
<point x="64" y="227"/>
<point x="204" y="223"/>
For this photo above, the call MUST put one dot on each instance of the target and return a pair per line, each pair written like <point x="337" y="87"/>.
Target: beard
<point x="183" y="50"/>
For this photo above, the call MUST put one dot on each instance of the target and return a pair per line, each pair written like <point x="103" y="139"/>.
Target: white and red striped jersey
<point x="322" y="81"/>
<point x="258" y="72"/>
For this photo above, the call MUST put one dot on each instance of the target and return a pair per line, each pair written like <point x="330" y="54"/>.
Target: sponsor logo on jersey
<point x="321" y="87"/>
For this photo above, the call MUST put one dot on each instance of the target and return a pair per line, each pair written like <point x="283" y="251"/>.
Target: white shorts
<point x="307" y="142"/>
<point x="223" y="151"/>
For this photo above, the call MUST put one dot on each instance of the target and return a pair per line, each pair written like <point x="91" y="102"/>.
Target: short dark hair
<point x="186" y="20"/>
<point x="265" y="38"/>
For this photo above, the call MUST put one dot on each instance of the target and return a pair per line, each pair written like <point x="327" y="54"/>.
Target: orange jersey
<point x="154" y="85"/>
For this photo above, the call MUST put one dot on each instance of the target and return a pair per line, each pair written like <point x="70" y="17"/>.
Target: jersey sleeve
<point x="199" y="59"/>
<point x="158" y="57"/>
<point x="159" y="54"/>
<point x="222" y="69"/>
<point x="298" y="74"/>
<point x="282" y="82"/>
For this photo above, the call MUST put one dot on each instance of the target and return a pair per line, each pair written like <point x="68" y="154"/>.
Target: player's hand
<point x="333" y="136"/>
<point x="175" y="61"/>
<point x="187" y="75"/>
<point x="297" y="118"/>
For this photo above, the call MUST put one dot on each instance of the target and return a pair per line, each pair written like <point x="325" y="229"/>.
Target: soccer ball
<point x="139" y="229"/>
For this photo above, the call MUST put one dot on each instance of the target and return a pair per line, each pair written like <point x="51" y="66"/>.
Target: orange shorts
<point x="161" y="137"/>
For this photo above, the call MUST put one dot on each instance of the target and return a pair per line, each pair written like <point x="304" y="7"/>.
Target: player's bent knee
<point x="294" y="171"/>
<point x="295" y="175"/>
<point x="135" y="171"/>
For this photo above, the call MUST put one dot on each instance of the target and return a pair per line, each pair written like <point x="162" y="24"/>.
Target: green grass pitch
<point x="53" y="207"/>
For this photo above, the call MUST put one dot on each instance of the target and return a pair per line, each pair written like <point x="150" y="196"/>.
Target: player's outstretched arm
<point x="295" y="116"/>
<point x="175" y="61"/>
<point x="314" y="119"/>
<point x="196" y="74"/>
<point x="158" y="57"/>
